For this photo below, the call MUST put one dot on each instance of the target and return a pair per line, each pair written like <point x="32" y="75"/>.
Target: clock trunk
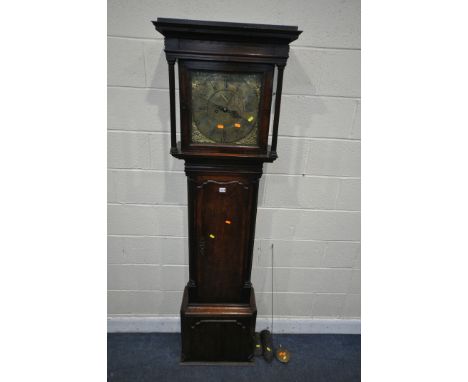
<point x="222" y="202"/>
<point x="224" y="209"/>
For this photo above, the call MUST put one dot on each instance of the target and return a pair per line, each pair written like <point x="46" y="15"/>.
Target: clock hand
<point x="219" y="107"/>
<point x="235" y="114"/>
<point x="222" y="108"/>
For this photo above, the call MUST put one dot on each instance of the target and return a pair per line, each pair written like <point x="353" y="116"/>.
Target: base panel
<point x="217" y="333"/>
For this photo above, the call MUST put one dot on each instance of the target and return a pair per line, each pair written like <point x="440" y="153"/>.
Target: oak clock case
<point x="226" y="83"/>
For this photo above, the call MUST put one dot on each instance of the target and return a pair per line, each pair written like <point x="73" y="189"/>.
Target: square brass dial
<point x="225" y="107"/>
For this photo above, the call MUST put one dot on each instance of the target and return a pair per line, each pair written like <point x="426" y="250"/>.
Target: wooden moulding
<point x="217" y="333"/>
<point x="227" y="31"/>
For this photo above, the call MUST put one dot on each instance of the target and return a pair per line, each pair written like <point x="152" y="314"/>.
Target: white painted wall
<point x="309" y="198"/>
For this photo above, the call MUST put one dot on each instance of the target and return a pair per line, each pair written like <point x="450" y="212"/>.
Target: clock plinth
<point x="217" y="332"/>
<point x="226" y="73"/>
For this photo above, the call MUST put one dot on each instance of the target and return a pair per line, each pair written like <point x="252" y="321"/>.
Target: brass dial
<point x="225" y="107"/>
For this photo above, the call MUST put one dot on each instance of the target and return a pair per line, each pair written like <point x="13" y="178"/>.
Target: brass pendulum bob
<point x="282" y="354"/>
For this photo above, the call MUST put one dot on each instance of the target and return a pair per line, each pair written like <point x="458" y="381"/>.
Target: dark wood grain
<point x="217" y="332"/>
<point x="172" y="105"/>
<point x="218" y="310"/>
<point x="279" y="91"/>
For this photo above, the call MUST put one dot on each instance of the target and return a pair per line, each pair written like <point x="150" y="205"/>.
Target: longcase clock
<point x="226" y="75"/>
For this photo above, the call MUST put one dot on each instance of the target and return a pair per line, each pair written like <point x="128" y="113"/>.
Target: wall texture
<point x="309" y="198"/>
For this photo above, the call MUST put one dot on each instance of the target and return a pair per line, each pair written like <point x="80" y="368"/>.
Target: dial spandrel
<point x="225" y="107"/>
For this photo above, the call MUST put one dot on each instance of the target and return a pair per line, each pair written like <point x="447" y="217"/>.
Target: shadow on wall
<point x="292" y="152"/>
<point x="161" y="71"/>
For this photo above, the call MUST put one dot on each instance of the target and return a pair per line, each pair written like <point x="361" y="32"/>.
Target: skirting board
<point x="130" y="324"/>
